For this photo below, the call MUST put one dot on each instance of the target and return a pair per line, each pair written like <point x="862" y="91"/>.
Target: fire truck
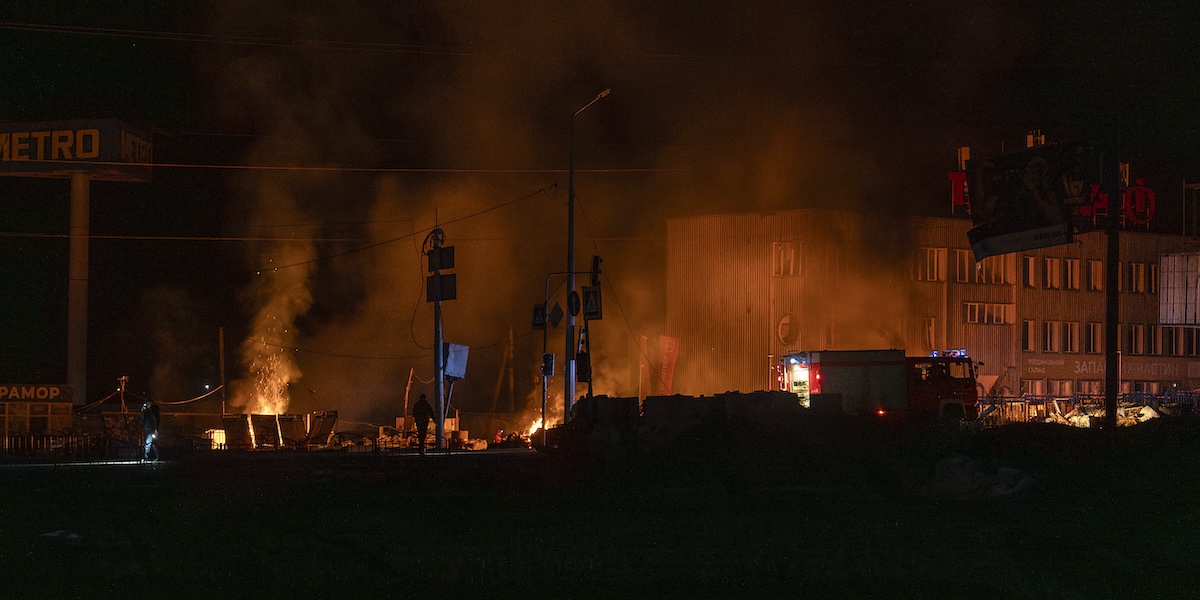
<point x="884" y="383"/>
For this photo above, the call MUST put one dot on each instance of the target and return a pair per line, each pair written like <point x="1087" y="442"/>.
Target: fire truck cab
<point x="885" y="383"/>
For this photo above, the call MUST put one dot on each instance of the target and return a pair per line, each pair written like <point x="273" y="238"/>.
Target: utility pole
<point x="569" y="362"/>
<point x="439" y="287"/>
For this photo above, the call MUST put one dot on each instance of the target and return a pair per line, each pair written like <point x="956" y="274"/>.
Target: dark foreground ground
<point x="825" y="510"/>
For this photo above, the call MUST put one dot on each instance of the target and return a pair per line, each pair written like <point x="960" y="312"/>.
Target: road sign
<point x="539" y="316"/>
<point x="441" y="258"/>
<point x="592" y="307"/>
<point x="441" y="286"/>
<point x="556" y="314"/>
<point x="573" y="304"/>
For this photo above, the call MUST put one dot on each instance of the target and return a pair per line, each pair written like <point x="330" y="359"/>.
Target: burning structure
<point x="746" y="288"/>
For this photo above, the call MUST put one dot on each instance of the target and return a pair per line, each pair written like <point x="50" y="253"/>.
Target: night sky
<point x="393" y="115"/>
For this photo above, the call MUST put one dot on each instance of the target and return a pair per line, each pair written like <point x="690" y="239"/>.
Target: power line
<point x="403" y="237"/>
<point x="351" y="169"/>
<point x="233" y="40"/>
<point x="175" y="238"/>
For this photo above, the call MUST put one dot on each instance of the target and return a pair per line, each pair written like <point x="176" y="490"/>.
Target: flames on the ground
<point x="533" y="427"/>
<point x="271" y="372"/>
<point x="270" y="367"/>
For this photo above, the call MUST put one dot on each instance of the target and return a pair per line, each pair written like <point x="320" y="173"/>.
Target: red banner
<point x="668" y="352"/>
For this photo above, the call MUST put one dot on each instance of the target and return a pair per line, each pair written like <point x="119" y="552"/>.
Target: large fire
<point x="271" y="373"/>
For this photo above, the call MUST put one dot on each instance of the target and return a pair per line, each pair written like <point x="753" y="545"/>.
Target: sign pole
<point x="1112" y="273"/>
<point x="439" y="357"/>
<point x="77" y="291"/>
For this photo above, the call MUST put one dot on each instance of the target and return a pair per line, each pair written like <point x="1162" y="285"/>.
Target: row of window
<point x="1067" y="274"/>
<point x="987" y="313"/>
<point x="1047" y="272"/>
<point x="1095" y="387"/>
<point x="993" y="269"/>
<point x="1135" y="338"/>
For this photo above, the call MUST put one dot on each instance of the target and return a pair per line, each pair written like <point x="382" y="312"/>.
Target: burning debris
<point x="1091" y="415"/>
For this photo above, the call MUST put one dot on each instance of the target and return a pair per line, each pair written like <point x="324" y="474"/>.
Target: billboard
<point x="1030" y="199"/>
<point x="106" y="149"/>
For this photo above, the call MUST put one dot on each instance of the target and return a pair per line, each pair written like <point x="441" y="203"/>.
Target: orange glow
<point x="533" y="427"/>
<point x="271" y="376"/>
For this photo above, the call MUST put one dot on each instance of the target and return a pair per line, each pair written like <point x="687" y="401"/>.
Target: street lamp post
<point x="569" y="363"/>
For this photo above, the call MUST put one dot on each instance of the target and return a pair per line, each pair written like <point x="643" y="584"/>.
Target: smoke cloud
<point x="715" y="108"/>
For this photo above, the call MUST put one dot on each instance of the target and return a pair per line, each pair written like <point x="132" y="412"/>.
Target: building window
<point x="1071" y="275"/>
<point x="993" y="269"/>
<point x="1027" y="336"/>
<point x="933" y="265"/>
<point x="1135" y="339"/>
<point x="1051" y="273"/>
<point x="784" y="259"/>
<point x="1050" y="332"/>
<point x="1155" y="337"/>
<point x="995" y="314"/>
<point x="986" y="313"/>
<point x="1071" y="337"/>
<point x="1091" y="387"/>
<point x="963" y="266"/>
<point x="1094" y="338"/>
<point x="929" y="326"/>
<point x="1153" y="284"/>
<point x="1001" y="269"/>
<point x="1033" y="387"/>
<point x="1030" y="274"/>
<point x="1059" y="387"/>
<point x="1095" y="275"/>
<point x="1188" y="342"/>
<point x="1137" y="278"/>
<point x="1170" y="336"/>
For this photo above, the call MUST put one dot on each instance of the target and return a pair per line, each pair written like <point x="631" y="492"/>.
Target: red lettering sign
<point x="1139" y="203"/>
<point x="958" y="190"/>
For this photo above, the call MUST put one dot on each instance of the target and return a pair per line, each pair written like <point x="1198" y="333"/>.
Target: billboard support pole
<point x="77" y="290"/>
<point x="1112" y="274"/>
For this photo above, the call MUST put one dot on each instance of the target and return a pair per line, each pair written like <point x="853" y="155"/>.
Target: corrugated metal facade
<point x="746" y="288"/>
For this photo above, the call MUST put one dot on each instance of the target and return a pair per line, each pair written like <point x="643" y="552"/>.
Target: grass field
<point x="1023" y="511"/>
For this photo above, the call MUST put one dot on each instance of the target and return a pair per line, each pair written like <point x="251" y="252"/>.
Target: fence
<point x="57" y="446"/>
<point x="999" y="410"/>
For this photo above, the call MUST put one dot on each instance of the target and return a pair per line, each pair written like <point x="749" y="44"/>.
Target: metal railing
<point x="1028" y="407"/>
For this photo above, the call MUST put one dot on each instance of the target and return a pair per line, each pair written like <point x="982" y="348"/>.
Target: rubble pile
<point x="1091" y="415"/>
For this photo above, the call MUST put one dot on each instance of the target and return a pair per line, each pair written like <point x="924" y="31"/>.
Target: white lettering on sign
<point x="62" y="144"/>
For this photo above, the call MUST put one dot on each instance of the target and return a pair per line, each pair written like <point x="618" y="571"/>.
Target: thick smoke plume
<point x="714" y="108"/>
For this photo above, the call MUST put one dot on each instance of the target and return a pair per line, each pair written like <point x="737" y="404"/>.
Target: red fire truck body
<point x="885" y="383"/>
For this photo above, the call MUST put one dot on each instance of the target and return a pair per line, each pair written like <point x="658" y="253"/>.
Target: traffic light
<point x="583" y="367"/>
<point x="595" y="271"/>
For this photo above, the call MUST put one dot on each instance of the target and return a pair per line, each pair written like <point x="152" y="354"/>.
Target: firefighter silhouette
<point x="422" y="414"/>
<point x="150" y="419"/>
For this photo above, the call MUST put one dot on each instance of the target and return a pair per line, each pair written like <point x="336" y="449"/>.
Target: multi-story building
<point x="744" y="289"/>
